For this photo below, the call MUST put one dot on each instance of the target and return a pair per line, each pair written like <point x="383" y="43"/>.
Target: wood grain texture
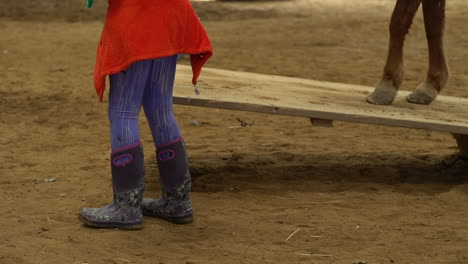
<point x="315" y="99"/>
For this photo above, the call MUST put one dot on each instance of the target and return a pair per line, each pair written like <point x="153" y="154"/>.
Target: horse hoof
<point x="424" y="94"/>
<point x="384" y="94"/>
<point x="419" y="98"/>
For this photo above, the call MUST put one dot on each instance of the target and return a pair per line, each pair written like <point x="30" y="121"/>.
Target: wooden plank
<point x="315" y="99"/>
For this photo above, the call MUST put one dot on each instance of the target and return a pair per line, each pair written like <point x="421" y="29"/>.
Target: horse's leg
<point x="392" y="78"/>
<point x="437" y="75"/>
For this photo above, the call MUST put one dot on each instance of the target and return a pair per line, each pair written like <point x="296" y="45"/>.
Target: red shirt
<point x="147" y="29"/>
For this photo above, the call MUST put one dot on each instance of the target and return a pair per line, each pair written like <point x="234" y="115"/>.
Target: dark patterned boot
<point x="128" y="173"/>
<point x="174" y="204"/>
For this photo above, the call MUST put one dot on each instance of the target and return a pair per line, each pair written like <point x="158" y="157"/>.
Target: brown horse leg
<point x="437" y="75"/>
<point x="401" y="20"/>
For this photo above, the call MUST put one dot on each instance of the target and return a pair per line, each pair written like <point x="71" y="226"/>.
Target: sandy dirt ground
<point x="353" y="193"/>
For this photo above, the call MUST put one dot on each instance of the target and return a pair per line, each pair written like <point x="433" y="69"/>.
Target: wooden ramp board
<point x="315" y="99"/>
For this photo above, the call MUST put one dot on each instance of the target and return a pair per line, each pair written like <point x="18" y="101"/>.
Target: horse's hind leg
<point x="437" y="75"/>
<point x="401" y="20"/>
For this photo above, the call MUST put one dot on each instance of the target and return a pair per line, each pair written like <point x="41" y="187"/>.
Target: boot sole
<point x="136" y="226"/>
<point x="176" y="220"/>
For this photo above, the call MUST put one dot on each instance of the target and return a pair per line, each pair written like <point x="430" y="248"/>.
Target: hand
<point x="90" y="3"/>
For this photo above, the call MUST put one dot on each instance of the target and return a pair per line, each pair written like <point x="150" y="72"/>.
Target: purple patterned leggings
<point x="147" y="83"/>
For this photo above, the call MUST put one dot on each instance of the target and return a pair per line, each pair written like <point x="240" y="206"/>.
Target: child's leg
<point x="127" y="161"/>
<point x="174" y="204"/>
<point x="125" y="100"/>
<point x="157" y="101"/>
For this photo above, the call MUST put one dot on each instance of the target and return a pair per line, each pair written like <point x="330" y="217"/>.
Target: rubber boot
<point x="128" y="172"/>
<point x="174" y="204"/>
